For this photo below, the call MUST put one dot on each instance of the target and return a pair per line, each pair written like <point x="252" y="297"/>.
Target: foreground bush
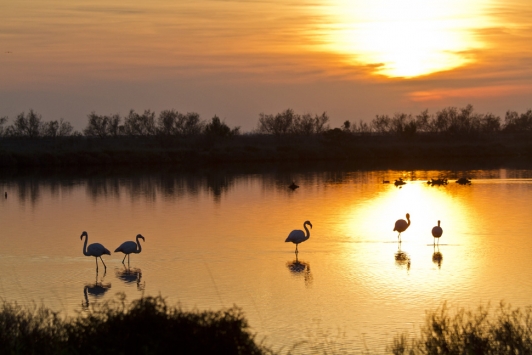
<point x="483" y="331"/>
<point x="146" y="326"/>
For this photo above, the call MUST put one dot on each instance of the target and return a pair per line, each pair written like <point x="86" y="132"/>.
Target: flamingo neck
<point x="308" y="232"/>
<point x="85" y="246"/>
<point x="139" y="248"/>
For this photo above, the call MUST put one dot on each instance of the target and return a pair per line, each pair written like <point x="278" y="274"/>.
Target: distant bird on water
<point x="401" y="225"/>
<point x="437" y="232"/>
<point x="298" y="236"/>
<point x="293" y="186"/>
<point x="130" y="247"/>
<point x="385" y="181"/>
<point x="95" y="249"/>
<point x="5" y="194"/>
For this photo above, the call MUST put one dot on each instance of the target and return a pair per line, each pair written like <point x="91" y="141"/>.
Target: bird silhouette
<point x="401" y="225"/>
<point x="95" y="249"/>
<point x="298" y="236"/>
<point x="437" y="232"/>
<point x="130" y="247"/>
<point x="293" y="186"/>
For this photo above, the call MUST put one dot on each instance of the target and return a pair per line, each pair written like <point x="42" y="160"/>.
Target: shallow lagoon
<point x="217" y="239"/>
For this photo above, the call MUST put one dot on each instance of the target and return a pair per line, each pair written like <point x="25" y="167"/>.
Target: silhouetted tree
<point x="513" y="122"/>
<point x="140" y="125"/>
<point x="102" y="126"/>
<point x="29" y="125"/>
<point x="218" y="128"/>
<point x="3" y="120"/>
<point x="57" y="128"/>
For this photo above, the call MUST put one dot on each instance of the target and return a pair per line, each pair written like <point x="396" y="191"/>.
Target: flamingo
<point x="293" y="186"/>
<point x="130" y="247"/>
<point x="95" y="249"/>
<point x="298" y="236"/>
<point x="401" y="225"/>
<point x="437" y="232"/>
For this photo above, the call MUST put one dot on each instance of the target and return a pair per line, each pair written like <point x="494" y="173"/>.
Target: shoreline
<point x="333" y="147"/>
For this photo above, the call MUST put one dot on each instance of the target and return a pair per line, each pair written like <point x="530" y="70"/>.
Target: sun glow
<point x="406" y="38"/>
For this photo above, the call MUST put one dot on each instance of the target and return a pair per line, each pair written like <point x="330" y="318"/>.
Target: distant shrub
<point x="140" y="125"/>
<point x="218" y="128"/>
<point x="102" y="126"/>
<point x="26" y="125"/>
<point x="513" y="122"/>
<point x="288" y="122"/>
<point x="174" y="123"/>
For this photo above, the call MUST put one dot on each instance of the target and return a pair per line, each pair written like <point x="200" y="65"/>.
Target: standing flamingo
<point x="130" y="247"/>
<point x="298" y="236"/>
<point x="401" y="225"/>
<point x="437" y="232"/>
<point x="95" y="249"/>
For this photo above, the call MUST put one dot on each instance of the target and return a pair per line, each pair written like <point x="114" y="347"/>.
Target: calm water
<point x="217" y="240"/>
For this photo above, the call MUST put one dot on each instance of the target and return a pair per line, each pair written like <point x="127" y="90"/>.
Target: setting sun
<point x="408" y="38"/>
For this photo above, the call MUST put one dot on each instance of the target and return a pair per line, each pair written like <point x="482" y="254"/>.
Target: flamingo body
<point x="437" y="232"/>
<point x="130" y="247"/>
<point x="401" y="225"/>
<point x="298" y="236"/>
<point x="94" y="249"/>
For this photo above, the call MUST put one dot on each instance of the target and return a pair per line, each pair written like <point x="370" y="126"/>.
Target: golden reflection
<point x="406" y="38"/>
<point x="437" y="257"/>
<point x="401" y="258"/>
<point x="300" y="268"/>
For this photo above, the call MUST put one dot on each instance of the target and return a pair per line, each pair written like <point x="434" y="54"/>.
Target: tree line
<point x="450" y="120"/>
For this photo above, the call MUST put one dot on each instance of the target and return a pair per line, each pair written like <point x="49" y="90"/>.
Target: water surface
<point x="214" y="240"/>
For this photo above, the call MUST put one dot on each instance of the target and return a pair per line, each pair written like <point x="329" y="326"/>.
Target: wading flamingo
<point x="130" y="247"/>
<point x="401" y="225"/>
<point x="95" y="249"/>
<point x="437" y="232"/>
<point x="298" y="236"/>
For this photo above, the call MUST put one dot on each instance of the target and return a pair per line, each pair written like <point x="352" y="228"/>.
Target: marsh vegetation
<point x="177" y="138"/>
<point x="151" y="326"/>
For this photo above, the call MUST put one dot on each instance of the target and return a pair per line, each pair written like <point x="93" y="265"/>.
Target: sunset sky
<point x="236" y="59"/>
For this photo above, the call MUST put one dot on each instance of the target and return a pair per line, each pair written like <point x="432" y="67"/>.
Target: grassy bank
<point x="146" y="326"/>
<point x="333" y="145"/>
<point x="150" y="326"/>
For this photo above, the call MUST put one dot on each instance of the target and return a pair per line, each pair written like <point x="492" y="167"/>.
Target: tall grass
<point x="150" y="326"/>
<point x="145" y="326"/>
<point x="503" y="330"/>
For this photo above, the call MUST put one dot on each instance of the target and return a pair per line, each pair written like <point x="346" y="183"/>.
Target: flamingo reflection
<point x="437" y="257"/>
<point x="130" y="276"/>
<point x="300" y="268"/>
<point x="95" y="290"/>
<point x="402" y="258"/>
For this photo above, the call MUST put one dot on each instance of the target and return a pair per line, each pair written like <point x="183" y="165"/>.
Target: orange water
<point x="215" y="240"/>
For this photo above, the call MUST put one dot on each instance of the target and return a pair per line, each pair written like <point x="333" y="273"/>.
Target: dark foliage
<point x="146" y="326"/>
<point x="504" y="331"/>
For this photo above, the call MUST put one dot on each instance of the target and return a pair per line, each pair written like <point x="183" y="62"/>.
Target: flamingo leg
<point x="102" y="263"/>
<point x="96" y="264"/>
<point x="296" y="249"/>
<point x="124" y="258"/>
